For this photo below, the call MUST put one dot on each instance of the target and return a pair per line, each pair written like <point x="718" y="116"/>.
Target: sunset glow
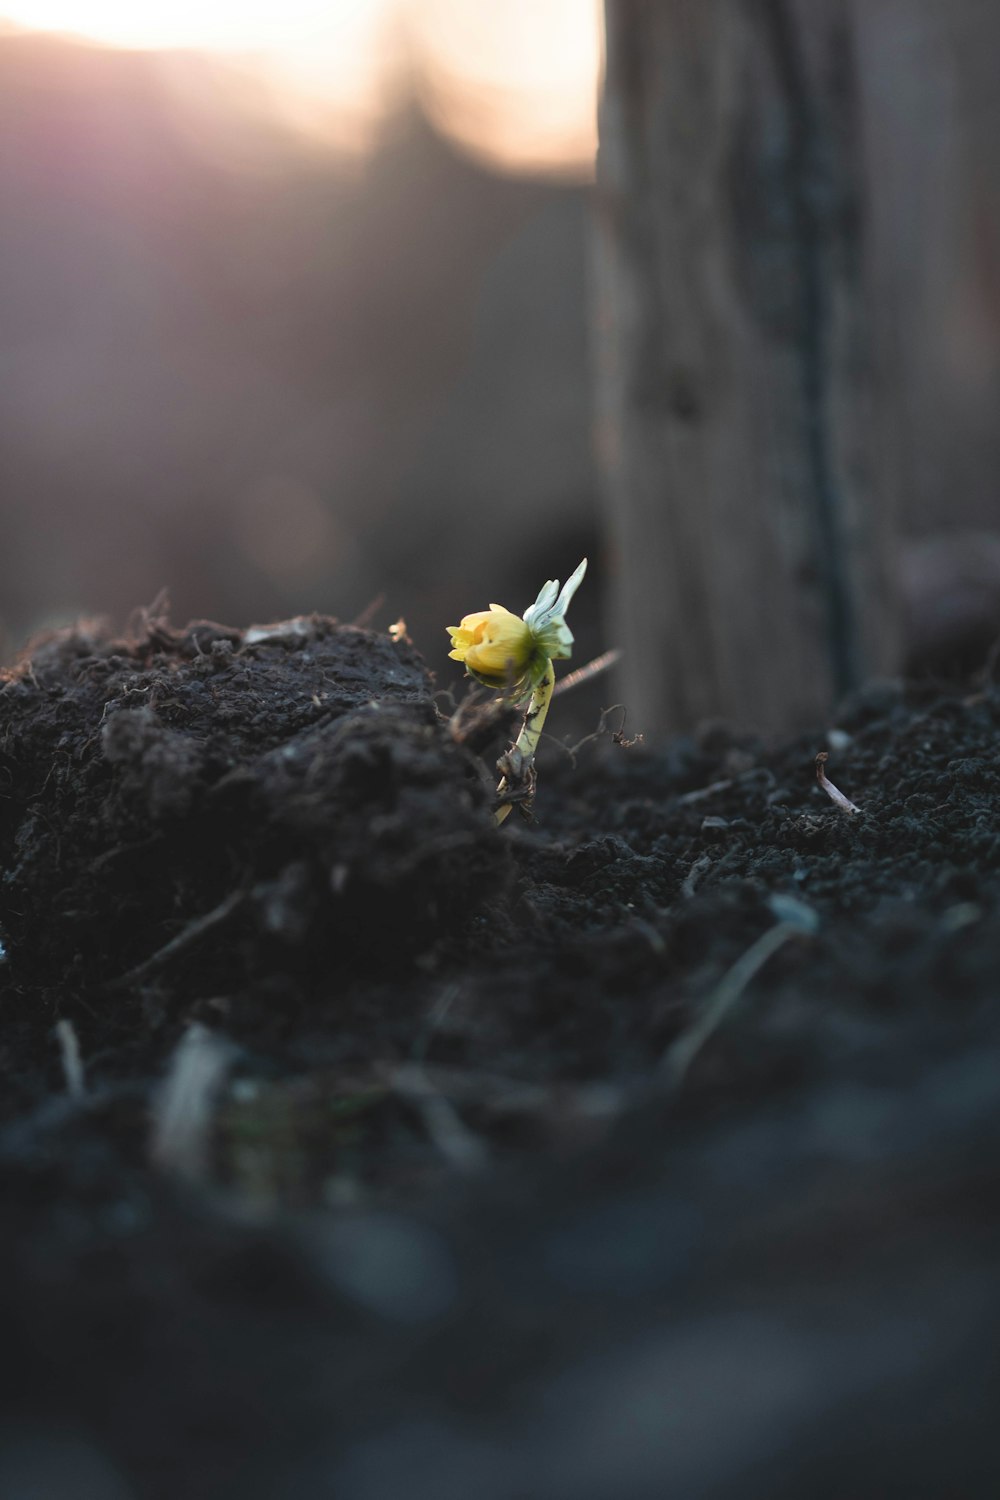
<point x="514" y="83"/>
<point x="229" y="25"/>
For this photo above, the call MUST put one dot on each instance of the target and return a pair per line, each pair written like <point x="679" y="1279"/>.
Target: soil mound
<point x="207" y="810"/>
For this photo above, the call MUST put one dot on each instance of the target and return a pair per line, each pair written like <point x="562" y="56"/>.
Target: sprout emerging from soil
<point x="514" y="654"/>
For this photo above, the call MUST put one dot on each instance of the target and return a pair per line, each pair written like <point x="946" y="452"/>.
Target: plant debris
<point x="834" y="793"/>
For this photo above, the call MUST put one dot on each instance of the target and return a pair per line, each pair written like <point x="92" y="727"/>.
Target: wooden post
<point x="734" y="391"/>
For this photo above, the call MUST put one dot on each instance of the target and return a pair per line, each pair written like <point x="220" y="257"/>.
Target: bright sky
<point x="514" y="80"/>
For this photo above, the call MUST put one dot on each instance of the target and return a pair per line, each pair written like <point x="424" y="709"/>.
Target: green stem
<point x="531" y="732"/>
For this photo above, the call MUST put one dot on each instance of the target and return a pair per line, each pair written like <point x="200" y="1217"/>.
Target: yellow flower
<point x="494" y="644"/>
<point x="505" y="651"/>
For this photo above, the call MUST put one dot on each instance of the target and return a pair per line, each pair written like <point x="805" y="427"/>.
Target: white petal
<point x="548" y="607"/>
<point x="569" y="589"/>
<point x="546" y="598"/>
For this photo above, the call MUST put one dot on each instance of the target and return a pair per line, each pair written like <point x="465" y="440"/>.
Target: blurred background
<point x="296" y="308"/>
<point x="293" y="304"/>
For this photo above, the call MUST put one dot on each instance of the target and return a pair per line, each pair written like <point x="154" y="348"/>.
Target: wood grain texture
<point x="734" y="363"/>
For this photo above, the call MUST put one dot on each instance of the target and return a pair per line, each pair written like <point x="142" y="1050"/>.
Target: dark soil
<point x="350" y="1146"/>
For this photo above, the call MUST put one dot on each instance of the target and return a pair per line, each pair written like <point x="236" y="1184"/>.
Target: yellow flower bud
<point x="505" y="651"/>
<point x="495" y="645"/>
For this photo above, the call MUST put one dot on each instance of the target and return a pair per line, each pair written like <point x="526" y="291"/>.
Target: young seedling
<point x="514" y="654"/>
<point x="834" y="793"/>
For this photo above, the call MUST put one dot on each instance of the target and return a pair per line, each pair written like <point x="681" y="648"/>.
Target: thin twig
<point x="679" y="1056"/>
<point x="184" y="940"/>
<point x="834" y="793"/>
<point x="600" y="731"/>
<point x="590" y="669"/>
<point x="701" y="792"/>
<point x="363" y="620"/>
<point x="755" y="773"/>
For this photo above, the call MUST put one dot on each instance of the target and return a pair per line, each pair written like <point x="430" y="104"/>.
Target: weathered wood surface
<point x="929" y="80"/>
<point x="752" y="534"/>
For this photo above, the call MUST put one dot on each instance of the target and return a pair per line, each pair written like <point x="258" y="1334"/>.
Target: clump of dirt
<point x="207" y="810"/>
